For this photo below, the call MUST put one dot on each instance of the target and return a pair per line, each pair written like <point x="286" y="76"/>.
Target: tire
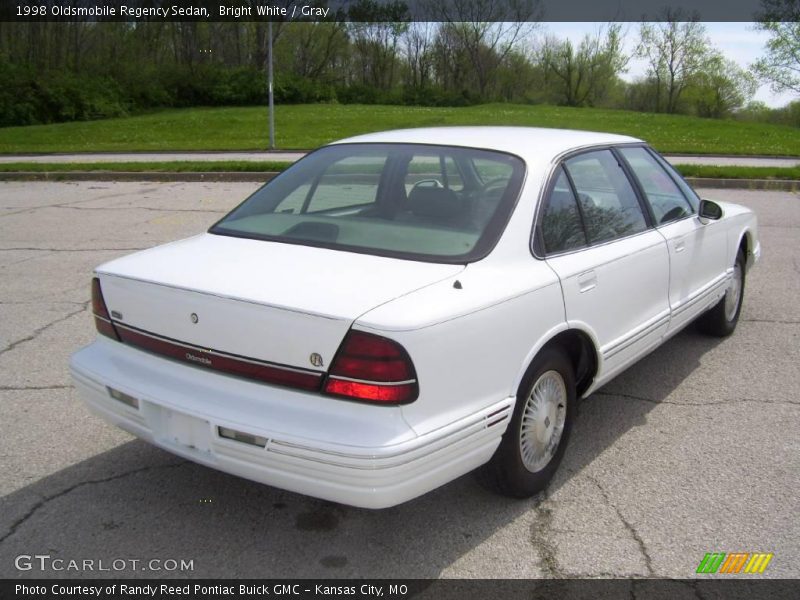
<point x="721" y="319"/>
<point x="524" y="463"/>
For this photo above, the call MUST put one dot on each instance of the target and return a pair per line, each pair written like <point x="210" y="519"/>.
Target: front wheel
<point x="534" y="443"/>
<point x="722" y="318"/>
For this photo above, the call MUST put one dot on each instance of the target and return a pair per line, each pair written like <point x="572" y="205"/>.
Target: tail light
<point x="374" y="369"/>
<point x="102" y="320"/>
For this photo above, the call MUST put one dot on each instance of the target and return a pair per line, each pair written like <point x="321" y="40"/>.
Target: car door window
<point x="562" y="228"/>
<point x="688" y="192"/>
<point x="609" y="203"/>
<point x="489" y="171"/>
<point x="351" y="182"/>
<point x="663" y="194"/>
<point x="433" y="170"/>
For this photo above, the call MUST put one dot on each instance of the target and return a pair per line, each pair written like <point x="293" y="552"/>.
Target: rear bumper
<point x="351" y="453"/>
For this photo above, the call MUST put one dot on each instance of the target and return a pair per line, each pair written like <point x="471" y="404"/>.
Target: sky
<point x="740" y="42"/>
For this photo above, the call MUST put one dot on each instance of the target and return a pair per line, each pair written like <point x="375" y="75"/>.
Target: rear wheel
<point x="535" y="441"/>
<point x="722" y="318"/>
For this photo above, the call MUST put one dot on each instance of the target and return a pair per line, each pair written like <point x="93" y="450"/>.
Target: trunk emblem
<point x="199" y="359"/>
<point x="194" y="318"/>
<point x="315" y="359"/>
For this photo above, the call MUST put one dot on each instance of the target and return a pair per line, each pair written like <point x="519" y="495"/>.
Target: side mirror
<point x="709" y="211"/>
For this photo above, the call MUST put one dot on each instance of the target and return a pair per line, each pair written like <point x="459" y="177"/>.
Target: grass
<point x="309" y="126"/>
<point x="138" y="167"/>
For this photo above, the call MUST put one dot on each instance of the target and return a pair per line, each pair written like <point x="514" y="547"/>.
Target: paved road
<point x="292" y="156"/>
<point x="694" y="449"/>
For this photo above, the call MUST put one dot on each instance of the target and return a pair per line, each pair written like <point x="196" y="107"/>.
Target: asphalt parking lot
<point x="695" y="449"/>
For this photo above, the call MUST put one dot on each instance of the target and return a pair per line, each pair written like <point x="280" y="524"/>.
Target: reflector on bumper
<point x="123" y="397"/>
<point x="241" y="436"/>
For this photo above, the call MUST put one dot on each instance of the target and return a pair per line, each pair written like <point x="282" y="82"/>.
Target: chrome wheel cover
<point x="542" y="423"/>
<point x="733" y="293"/>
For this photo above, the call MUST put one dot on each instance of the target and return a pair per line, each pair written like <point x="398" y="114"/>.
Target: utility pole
<point x="269" y="89"/>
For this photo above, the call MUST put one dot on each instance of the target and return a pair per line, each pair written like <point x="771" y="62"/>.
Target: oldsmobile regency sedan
<point x="401" y="308"/>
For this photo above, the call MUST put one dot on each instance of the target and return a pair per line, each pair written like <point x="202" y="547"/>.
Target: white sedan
<point x="398" y="309"/>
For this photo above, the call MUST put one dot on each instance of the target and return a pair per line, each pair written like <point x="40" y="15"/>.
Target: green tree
<point x="418" y="53"/>
<point x="312" y="50"/>
<point x="720" y="87"/>
<point x="481" y="33"/>
<point x="781" y="65"/>
<point x="675" y="50"/>
<point x="375" y="32"/>
<point x="583" y="75"/>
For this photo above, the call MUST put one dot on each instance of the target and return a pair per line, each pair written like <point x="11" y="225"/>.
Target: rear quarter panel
<point x="470" y="346"/>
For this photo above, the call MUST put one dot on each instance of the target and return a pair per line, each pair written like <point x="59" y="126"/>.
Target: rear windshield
<point x="434" y="203"/>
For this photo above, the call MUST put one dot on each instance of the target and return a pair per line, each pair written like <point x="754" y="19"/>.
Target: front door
<point x="696" y="250"/>
<point x="613" y="267"/>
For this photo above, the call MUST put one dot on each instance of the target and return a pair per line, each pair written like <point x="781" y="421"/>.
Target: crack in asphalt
<point x="779" y="227"/>
<point x="711" y="403"/>
<point x="150" y="208"/>
<point x="61" y="204"/>
<point x="73" y="203"/>
<point x="22" y="260"/>
<point x="46" y="302"/>
<point x="13" y="388"/>
<point x="37" y="332"/>
<point x="648" y="561"/>
<point x="777" y="321"/>
<point x="695" y="585"/>
<point x="540" y="539"/>
<point x="602" y="574"/>
<point x="47" y="499"/>
<point x="33" y="249"/>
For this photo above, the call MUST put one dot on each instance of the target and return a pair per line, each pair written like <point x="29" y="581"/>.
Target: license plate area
<point x="178" y="429"/>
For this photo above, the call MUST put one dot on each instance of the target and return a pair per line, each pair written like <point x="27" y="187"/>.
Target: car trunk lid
<point x="285" y="304"/>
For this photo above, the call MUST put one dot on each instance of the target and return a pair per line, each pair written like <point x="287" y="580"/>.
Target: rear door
<point x="613" y="267"/>
<point x="696" y="251"/>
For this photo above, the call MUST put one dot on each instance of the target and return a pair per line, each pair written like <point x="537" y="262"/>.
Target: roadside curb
<point x="779" y="185"/>
<point x="201" y="152"/>
<point x="757" y="156"/>
<point x="258" y="176"/>
<point x="772" y="185"/>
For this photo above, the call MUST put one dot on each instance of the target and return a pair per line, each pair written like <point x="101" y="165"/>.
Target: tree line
<point x="61" y="71"/>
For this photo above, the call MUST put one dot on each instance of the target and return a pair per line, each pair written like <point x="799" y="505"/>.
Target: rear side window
<point x="664" y="196"/>
<point x="349" y="183"/>
<point x="609" y="204"/>
<point x="490" y="171"/>
<point x="562" y="228"/>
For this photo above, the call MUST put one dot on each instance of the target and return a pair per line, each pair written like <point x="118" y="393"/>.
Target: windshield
<point x="435" y="203"/>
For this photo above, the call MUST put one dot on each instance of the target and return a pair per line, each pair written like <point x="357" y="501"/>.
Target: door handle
<point x="680" y="246"/>
<point x="587" y="281"/>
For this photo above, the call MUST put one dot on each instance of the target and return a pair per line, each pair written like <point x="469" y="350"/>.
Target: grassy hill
<point x="308" y="126"/>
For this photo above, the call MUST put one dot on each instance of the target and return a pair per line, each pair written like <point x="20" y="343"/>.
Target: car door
<point x="613" y="267"/>
<point x="697" y="251"/>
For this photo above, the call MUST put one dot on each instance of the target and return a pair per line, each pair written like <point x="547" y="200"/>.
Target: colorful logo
<point x="735" y="562"/>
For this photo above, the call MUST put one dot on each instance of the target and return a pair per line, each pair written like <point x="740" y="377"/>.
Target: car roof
<point x="530" y="143"/>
